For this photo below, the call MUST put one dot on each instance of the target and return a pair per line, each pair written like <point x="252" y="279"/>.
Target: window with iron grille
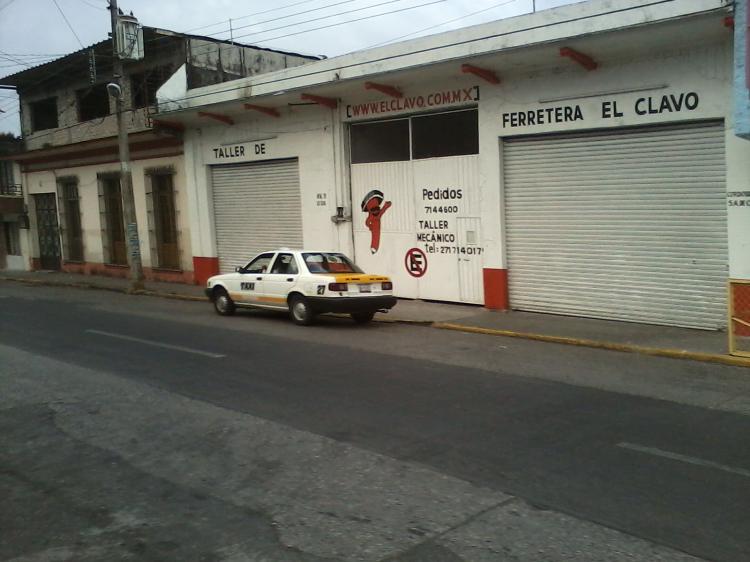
<point x="113" y="225"/>
<point x="162" y="218"/>
<point x="70" y="219"/>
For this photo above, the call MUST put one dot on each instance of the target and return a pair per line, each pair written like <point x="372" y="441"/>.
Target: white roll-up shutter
<point x="628" y="224"/>
<point x="257" y="207"/>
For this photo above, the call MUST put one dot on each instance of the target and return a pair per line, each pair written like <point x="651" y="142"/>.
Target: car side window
<point x="285" y="264"/>
<point x="259" y="264"/>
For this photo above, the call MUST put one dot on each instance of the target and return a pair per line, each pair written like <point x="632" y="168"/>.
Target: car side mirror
<point x="239" y="269"/>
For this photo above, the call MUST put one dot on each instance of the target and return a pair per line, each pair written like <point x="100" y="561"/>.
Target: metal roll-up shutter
<point x="628" y="224"/>
<point x="257" y="207"/>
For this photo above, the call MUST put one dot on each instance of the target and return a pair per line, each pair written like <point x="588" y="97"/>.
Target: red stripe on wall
<point x="496" y="289"/>
<point x="203" y="268"/>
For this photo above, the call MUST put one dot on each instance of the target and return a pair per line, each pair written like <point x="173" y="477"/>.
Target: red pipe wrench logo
<point x="373" y="205"/>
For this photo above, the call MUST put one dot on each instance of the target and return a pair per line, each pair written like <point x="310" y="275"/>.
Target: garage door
<point x="257" y="207"/>
<point x="627" y="224"/>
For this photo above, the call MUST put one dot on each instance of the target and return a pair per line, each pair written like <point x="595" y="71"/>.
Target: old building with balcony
<point x="70" y="170"/>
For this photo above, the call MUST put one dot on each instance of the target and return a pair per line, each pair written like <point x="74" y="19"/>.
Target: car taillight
<point x="338" y="287"/>
<point x="387" y="286"/>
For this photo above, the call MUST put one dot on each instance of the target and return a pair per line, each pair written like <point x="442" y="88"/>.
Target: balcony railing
<point x="11" y="190"/>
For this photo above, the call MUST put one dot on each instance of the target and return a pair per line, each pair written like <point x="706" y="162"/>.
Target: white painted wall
<point x="636" y="62"/>
<point x="738" y="201"/>
<point x="306" y="132"/>
<point x="704" y="70"/>
<point x="173" y="90"/>
<point x="15" y="263"/>
<point x="46" y="182"/>
<point x="303" y="132"/>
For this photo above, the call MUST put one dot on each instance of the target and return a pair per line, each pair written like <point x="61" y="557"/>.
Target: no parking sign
<point x="415" y="262"/>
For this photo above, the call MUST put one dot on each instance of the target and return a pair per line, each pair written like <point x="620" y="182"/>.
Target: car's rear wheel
<point x="223" y="303"/>
<point x="301" y="311"/>
<point x="362" y="317"/>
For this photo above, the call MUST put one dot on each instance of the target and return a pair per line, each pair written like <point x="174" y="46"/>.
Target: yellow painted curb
<point x="582" y="342"/>
<point x="385" y="320"/>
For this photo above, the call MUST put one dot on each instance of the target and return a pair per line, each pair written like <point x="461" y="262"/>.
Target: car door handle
<point x="259" y="279"/>
<point x="290" y="278"/>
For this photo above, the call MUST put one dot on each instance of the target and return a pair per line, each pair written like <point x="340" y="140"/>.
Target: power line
<point x="286" y="17"/>
<point x="228" y="30"/>
<point x="3" y="117"/>
<point x="250" y="15"/>
<point x="15" y="60"/>
<point x="372" y="16"/>
<point x="52" y="56"/>
<point x="6" y="5"/>
<point x="441" y="24"/>
<point x="28" y="63"/>
<point x="320" y="18"/>
<point x="261" y="82"/>
<point x="23" y="66"/>
<point x="302" y="32"/>
<point x="391" y="12"/>
<point x="93" y="6"/>
<point x="34" y="55"/>
<point x="67" y="22"/>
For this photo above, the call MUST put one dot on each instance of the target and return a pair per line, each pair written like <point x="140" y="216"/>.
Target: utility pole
<point x="126" y="176"/>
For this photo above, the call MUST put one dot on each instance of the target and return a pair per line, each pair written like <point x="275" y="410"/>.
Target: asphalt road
<point x="463" y="405"/>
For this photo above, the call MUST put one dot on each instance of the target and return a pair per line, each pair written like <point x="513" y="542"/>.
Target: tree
<point x="10" y="144"/>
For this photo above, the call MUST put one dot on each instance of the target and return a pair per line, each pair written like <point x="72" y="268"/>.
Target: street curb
<point x="426" y="323"/>
<point x="597" y="344"/>
<point x="564" y="340"/>
<point x="47" y="283"/>
<point x="175" y="296"/>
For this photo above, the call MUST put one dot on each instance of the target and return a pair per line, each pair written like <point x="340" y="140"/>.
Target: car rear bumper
<point x="352" y="304"/>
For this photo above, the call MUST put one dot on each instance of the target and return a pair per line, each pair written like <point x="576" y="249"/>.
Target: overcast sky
<point x="35" y="31"/>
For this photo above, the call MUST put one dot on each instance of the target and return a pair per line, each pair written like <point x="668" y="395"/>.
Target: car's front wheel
<point x="301" y="311"/>
<point x="223" y="303"/>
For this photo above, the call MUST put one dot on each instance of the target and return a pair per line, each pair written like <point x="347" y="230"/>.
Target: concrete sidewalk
<point x="699" y="345"/>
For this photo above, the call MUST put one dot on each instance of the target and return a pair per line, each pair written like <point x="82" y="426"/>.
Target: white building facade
<point x="579" y="161"/>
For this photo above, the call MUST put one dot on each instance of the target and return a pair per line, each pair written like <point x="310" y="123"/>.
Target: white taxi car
<point x="305" y="283"/>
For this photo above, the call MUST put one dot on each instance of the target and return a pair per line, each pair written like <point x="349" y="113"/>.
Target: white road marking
<point x="158" y="344"/>
<point x="683" y="458"/>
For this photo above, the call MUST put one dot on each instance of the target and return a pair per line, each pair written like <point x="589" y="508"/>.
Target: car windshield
<point x="324" y="262"/>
